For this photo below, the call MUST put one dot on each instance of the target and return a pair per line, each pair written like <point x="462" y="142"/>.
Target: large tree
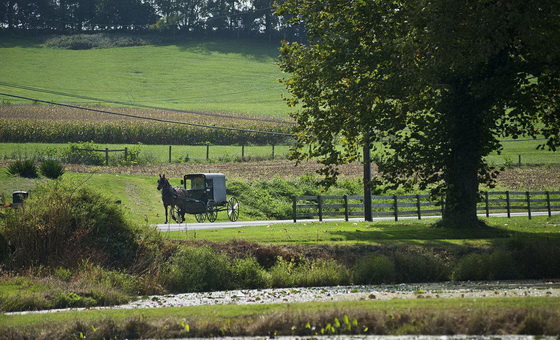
<point x="439" y="82"/>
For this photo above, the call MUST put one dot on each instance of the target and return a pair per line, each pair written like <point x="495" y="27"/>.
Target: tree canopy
<point x="438" y="82"/>
<point x="248" y="18"/>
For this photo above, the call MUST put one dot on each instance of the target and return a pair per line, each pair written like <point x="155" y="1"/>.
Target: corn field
<point x="46" y="124"/>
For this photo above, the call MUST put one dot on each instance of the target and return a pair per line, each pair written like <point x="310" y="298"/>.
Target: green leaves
<point x="437" y="81"/>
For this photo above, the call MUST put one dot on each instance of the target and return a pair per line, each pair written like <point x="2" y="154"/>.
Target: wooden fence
<point x="508" y="202"/>
<point x="106" y="151"/>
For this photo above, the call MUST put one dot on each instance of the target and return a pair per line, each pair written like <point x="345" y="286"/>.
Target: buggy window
<point x="196" y="183"/>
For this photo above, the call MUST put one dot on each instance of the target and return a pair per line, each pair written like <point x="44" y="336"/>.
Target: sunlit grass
<point x="233" y="76"/>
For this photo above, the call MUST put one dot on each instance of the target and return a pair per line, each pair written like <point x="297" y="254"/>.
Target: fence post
<point x="418" y="209"/>
<point x="548" y="204"/>
<point x="396" y="207"/>
<point x="169" y="153"/>
<point x="528" y="195"/>
<point x="519" y="160"/>
<point x="207" y="152"/>
<point x="442" y="201"/>
<point x="272" y="151"/>
<point x="243" y="152"/>
<point x="346" y="208"/>
<point x="126" y="154"/>
<point x="320" y="203"/>
<point x="508" y="205"/>
<point x="107" y="156"/>
<point x="295" y="208"/>
<point x="487" y="207"/>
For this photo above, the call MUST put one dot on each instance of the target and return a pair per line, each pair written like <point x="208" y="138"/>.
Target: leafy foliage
<point x="52" y="169"/>
<point x="63" y="225"/>
<point x="24" y="168"/>
<point x="418" y="77"/>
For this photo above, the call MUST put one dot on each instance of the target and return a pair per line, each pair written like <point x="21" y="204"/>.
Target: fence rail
<point x="106" y="151"/>
<point x="309" y="207"/>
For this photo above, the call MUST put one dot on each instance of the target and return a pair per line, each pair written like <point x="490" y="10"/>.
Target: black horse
<point x="172" y="196"/>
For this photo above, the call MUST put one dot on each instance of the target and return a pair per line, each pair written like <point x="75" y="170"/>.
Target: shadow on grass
<point x="255" y="50"/>
<point x="414" y="233"/>
<point x="11" y="41"/>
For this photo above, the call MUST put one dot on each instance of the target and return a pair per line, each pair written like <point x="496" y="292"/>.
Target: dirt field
<point x="516" y="178"/>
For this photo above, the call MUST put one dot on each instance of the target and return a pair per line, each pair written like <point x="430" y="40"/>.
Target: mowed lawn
<point x="231" y="76"/>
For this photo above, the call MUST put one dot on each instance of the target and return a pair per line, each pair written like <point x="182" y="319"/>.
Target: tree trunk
<point x="465" y="159"/>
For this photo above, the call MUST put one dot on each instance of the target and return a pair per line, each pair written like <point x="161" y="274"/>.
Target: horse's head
<point x="162" y="182"/>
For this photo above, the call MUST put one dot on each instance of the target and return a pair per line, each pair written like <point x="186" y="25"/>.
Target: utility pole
<point x="368" y="215"/>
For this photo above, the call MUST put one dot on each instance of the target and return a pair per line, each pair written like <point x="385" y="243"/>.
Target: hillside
<point x="216" y="75"/>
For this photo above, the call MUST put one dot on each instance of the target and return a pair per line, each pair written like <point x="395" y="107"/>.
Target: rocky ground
<point x="441" y="290"/>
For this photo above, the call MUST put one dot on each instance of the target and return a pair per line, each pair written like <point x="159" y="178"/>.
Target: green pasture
<point x="153" y="154"/>
<point x="159" y="154"/>
<point x="232" y="76"/>
<point x="523" y="152"/>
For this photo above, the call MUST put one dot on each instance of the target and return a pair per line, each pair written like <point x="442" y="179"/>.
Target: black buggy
<point x="204" y="196"/>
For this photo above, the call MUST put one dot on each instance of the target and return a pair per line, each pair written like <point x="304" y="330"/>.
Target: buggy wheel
<point x="177" y="214"/>
<point x="200" y="218"/>
<point x="212" y="211"/>
<point x="233" y="209"/>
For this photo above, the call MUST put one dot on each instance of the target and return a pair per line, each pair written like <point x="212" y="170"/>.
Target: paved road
<point x="222" y="225"/>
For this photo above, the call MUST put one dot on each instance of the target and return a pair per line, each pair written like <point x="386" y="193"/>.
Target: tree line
<point x="176" y="17"/>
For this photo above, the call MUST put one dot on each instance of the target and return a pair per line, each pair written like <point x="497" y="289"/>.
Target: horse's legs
<point x="165" y="207"/>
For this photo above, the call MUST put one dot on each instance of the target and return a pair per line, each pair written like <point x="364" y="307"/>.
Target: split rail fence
<point x="507" y="202"/>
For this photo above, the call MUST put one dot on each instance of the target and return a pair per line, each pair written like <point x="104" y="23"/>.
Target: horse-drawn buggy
<point x="203" y="195"/>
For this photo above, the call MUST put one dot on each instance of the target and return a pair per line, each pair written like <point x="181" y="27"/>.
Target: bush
<point x="197" y="270"/>
<point x="77" y="154"/>
<point x="61" y="225"/>
<point x="374" y="269"/>
<point x="417" y="267"/>
<point x="52" y="169"/>
<point x="536" y="259"/>
<point x="24" y="168"/>
<point x="99" y="40"/>
<point x="313" y="273"/>
<point x="497" y="265"/>
<point x="248" y="274"/>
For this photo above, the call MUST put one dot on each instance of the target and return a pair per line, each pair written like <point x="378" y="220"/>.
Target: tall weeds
<point x="61" y="225"/>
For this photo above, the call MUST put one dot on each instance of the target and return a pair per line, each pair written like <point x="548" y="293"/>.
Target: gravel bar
<point x="441" y="290"/>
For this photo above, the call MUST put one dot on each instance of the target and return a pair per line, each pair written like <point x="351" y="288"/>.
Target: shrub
<point x="198" y="269"/>
<point x="24" y="168"/>
<point x="61" y="225"/>
<point x="52" y="169"/>
<point x="374" y="269"/>
<point x="78" y="153"/>
<point x="413" y="266"/>
<point x="497" y="265"/>
<point x="536" y="259"/>
<point x="248" y="274"/>
<point x="470" y="267"/>
<point x="313" y="273"/>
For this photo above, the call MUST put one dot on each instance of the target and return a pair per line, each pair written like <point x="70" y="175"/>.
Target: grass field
<point x="381" y="232"/>
<point x="154" y="154"/>
<point x="232" y="76"/>
<point x="159" y="154"/>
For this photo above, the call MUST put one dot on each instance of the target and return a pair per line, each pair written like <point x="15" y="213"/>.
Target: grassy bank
<point x="493" y="316"/>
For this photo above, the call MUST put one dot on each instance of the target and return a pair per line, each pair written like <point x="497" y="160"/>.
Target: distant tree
<point x="439" y="82"/>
